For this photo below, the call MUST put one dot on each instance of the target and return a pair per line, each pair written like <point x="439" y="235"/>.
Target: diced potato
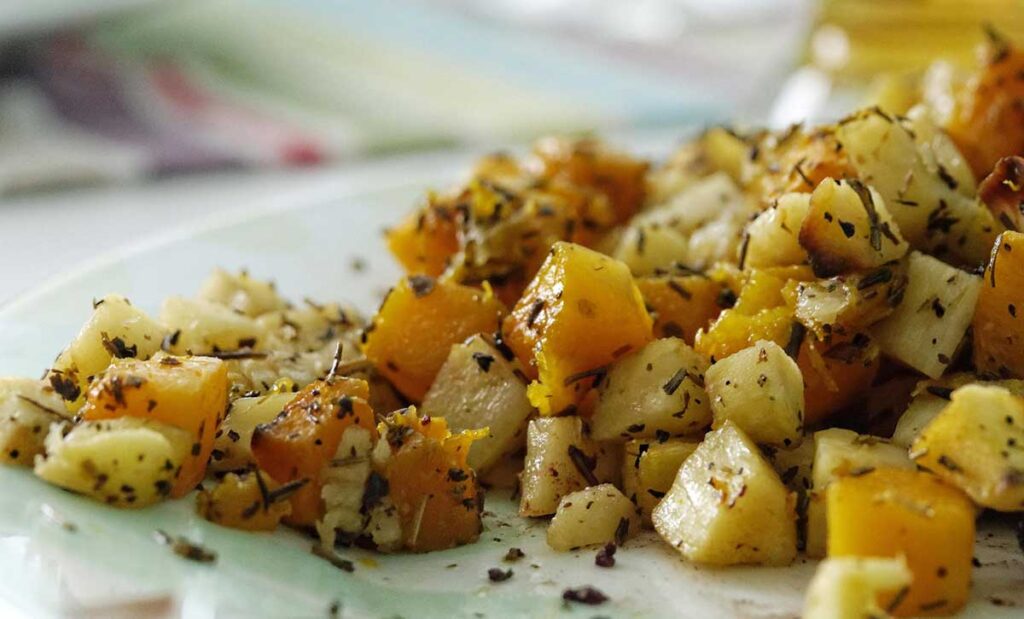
<point x="201" y="327"/>
<point x="187" y="393"/>
<point x="849" y="587"/>
<point x="125" y="462"/>
<point x="839" y="453"/>
<point x="761" y="390"/>
<point x="728" y="506"/>
<point x="938" y="149"/>
<point x="594" y="515"/>
<point x="681" y="305"/>
<point x="927" y="400"/>
<point x="241" y="293"/>
<point x="649" y="246"/>
<point x="579" y="314"/>
<point x="478" y="388"/>
<point x="237" y="502"/>
<point x="649" y="468"/>
<point x="925" y="331"/>
<point x="794" y="465"/>
<point x="773" y="238"/>
<point x="116" y="330"/>
<point x="345" y="482"/>
<point x="27" y="409"/>
<point x="556" y="449"/>
<point x="894" y="512"/>
<point x="998" y="333"/>
<point x="974" y="443"/>
<point x="418" y="323"/>
<point x="657" y="391"/>
<point x="298" y="443"/>
<point x="844" y="305"/>
<point x="232" y="450"/>
<point x="848" y="228"/>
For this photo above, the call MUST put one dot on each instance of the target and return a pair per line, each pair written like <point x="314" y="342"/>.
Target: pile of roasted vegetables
<point x="775" y="342"/>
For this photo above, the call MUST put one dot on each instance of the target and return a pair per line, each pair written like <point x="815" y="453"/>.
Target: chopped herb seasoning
<point x="622" y="531"/>
<point x="606" y="556"/>
<point x="375" y="490"/>
<point x="332" y="557"/>
<point x="514" y="554"/>
<point x="117" y="347"/>
<point x="496" y="574"/>
<point x="939" y="392"/>
<point x="673" y="383"/>
<point x="182" y="547"/>
<point x="484" y="361"/>
<point x="584" y="595"/>
<point x="421" y="285"/>
<point x="584" y="464"/>
<point x="596" y="373"/>
<point x="65" y="386"/>
<point x="796" y="339"/>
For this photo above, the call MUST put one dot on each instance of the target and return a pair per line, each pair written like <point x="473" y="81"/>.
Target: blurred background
<point x="142" y="97"/>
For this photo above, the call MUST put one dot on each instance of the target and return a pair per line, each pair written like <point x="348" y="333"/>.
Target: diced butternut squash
<point x="478" y="388"/>
<point x="926" y="330"/>
<point x="188" y="393"/>
<point x="849" y="587"/>
<point x="418" y="323"/>
<point x="125" y="462"/>
<point x="433" y="489"/>
<point x="728" y="506"/>
<point x="579" y="314"/>
<point x="975" y="444"/>
<point x="27" y="410"/>
<point x="299" y="442"/>
<point x="1002" y="191"/>
<point x="656" y="392"/>
<point x="649" y="468"/>
<point x="681" y="305"/>
<point x="897" y="512"/>
<point x="232" y="448"/>
<point x="761" y="390"/>
<point x="425" y="240"/>
<point x="237" y="501"/>
<point x="116" y="330"/>
<point x="595" y="515"/>
<point x="998" y="332"/>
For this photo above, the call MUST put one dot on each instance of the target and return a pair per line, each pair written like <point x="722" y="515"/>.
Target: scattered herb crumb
<point x="606" y="556"/>
<point x="185" y="548"/>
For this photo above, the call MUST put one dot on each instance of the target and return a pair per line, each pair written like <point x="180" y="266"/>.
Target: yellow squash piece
<point x="998" y="331"/>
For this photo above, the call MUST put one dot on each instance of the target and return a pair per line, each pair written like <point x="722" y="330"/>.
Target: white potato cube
<point x="650" y="468"/>
<point x="848" y="587"/>
<point x="232" y="450"/>
<point x="595" y="515"/>
<point x="201" y="327"/>
<point x="557" y="457"/>
<point x="773" y="237"/>
<point x="27" y="409"/>
<point x="241" y="293"/>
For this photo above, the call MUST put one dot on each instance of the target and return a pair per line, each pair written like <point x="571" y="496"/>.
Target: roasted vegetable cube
<point x="657" y="391"/>
<point x="595" y="515"/>
<point x="187" y="393"/>
<point x="849" y="587"/>
<point x="649" y="468"/>
<point x="926" y="330"/>
<point x="728" y="506"/>
<point x="896" y="512"/>
<point x="201" y="327"/>
<point x="27" y="410"/>
<point x="239" y="502"/>
<point x="418" y="323"/>
<point x="478" y="388"/>
<point x="761" y="390"/>
<point x="681" y="305"/>
<point x="232" y="445"/>
<point x="560" y="459"/>
<point x="975" y="444"/>
<point x="241" y="293"/>
<point x="998" y="333"/>
<point x="579" y="314"/>
<point x="773" y="238"/>
<point x="426" y="240"/>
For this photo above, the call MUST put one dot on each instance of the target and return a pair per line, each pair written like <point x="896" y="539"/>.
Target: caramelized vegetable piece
<point x="894" y="512"/>
<point x="580" y="313"/>
<point x="187" y="393"/>
<point x="988" y="122"/>
<point x="417" y="325"/>
<point x="434" y="490"/>
<point x="237" y="501"/>
<point x="300" y="441"/>
<point x="425" y="241"/>
<point x="681" y="305"/>
<point x="998" y="332"/>
<point x="1002" y="191"/>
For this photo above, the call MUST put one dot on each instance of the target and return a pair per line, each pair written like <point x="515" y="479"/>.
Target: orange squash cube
<point x="418" y="323"/>
<point x="425" y="240"/>
<point x="998" y="330"/>
<point x="580" y="313"/>
<point x="681" y="305"/>
<point x="893" y="512"/>
<point x="187" y="393"/>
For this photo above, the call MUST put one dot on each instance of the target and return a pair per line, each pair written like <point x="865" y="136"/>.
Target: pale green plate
<point x="111" y="566"/>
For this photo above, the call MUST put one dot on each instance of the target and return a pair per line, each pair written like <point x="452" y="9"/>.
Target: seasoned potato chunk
<point x="898" y="512"/>
<point x="125" y="462"/>
<point x="418" y="323"/>
<point x="656" y="392"/>
<point x="761" y="390"/>
<point x="232" y="449"/>
<point x="974" y="443"/>
<point x="844" y="305"/>
<point x="595" y="515"/>
<point x="237" y="501"/>
<point x="478" y="388"/>
<point x="116" y="330"/>
<point x="848" y="228"/>
<point x="727" y="505"/>
<point x="849" y="587"/>
<point x="187" y="393"/>
<point x="241" y="293"/>
<point x="202" y="327"/>
<point x="839" y="453"/>
<point x="579" y="314"/>
<point x="998" y="332"/>
<point x="926" y="330"/>
<point x="683" y="304"/>
<point x="559" y="460"/>
<point x="649" y="468"/>
<point x="27" y="409"/>
<point x="773" y="238"/>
